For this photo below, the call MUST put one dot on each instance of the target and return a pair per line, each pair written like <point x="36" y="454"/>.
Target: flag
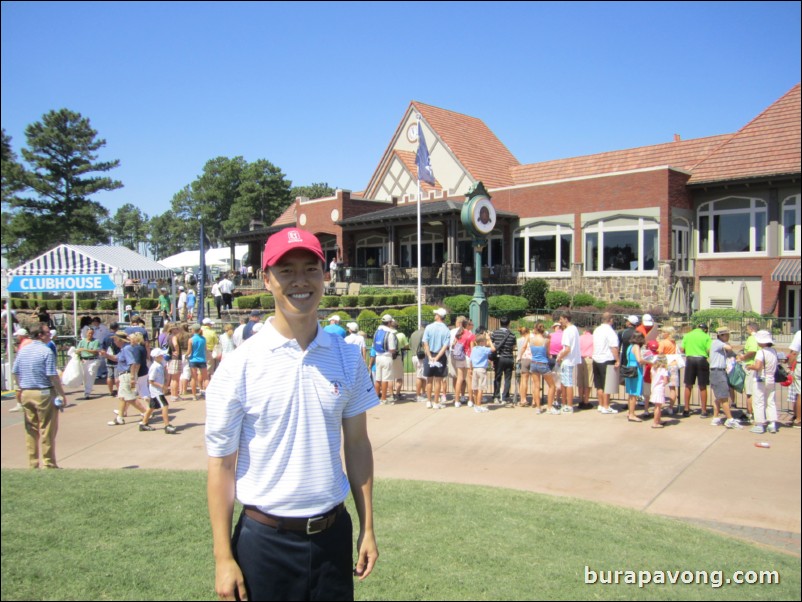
<point x="425" y="173"/>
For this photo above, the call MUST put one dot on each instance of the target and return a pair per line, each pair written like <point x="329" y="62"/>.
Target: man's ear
<point x="266" y="277"/>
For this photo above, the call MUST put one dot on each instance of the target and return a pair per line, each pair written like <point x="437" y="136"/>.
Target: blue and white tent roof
<point x="84" y="259"/>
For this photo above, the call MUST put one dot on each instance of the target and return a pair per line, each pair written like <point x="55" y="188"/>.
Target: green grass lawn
<point x="144" y="535"/>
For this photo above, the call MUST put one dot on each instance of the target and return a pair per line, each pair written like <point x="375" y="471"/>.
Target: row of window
<point x="731" y="226"/>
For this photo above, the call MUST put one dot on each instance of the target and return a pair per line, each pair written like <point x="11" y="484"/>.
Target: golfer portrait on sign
<point x="484" y="216"/>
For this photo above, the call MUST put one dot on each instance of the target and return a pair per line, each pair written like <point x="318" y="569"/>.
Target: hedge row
<point x="83" y="304"/>
<point x="266" y="301"/>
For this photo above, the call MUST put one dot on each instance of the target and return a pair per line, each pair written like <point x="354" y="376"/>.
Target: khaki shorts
<point x="129" y="391"/>
<point x="479" y="379"/>
<point x="384" y="369"/>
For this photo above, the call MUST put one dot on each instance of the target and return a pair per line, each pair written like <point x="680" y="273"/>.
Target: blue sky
<point x="319" y="88"/>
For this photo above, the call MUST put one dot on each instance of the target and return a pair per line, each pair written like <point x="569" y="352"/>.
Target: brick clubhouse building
<point x="717" y="217"/>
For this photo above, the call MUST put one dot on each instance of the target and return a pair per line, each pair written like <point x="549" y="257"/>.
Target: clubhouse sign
<point x="78" y="283"/>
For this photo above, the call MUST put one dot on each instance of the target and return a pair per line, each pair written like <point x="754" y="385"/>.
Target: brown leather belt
<point x="310" y="526"/>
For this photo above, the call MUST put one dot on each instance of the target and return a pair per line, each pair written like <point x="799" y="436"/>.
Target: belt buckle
<point x="310" y="530"/>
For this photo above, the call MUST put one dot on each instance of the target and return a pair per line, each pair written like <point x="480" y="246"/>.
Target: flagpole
<point x="420" y="242"/>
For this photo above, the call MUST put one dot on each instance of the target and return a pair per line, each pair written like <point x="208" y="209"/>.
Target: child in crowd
<point x="479" y="359"/>
<point x="157" y="398"/>
<point x="659" y="373"/>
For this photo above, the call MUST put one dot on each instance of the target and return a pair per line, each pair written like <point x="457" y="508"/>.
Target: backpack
<point x="378" y="340"/>
<point x="458" y="351"/>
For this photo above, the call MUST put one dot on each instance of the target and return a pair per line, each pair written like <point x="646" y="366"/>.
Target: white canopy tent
<point x="214" y="257"/>
<point x="81" y="268"/>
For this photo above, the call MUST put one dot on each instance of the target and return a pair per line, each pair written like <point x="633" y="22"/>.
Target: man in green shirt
<point x="165" y="304"/>
<point x="696" y="347"/>
<point x="747" y="356"/>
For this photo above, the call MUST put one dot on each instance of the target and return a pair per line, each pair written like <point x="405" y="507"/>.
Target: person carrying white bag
<point x="73" y="374"/>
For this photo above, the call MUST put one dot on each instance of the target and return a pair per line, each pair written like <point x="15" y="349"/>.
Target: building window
<point x="371" y="252"/>
<point x="544" y="249"/>
<point x="622" y="245"/>
<point x="681" y="246"/>
<point x="791" y="225"/>
<point x="732" y="225"/>
<point x="432" y="250"/>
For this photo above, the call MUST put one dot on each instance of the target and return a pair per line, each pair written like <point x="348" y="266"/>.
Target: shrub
<point x="368" y="321"/>
<point x="87" y="304"/>
<point x="344" y="318"/>
<point x="535" y="291"/>
<point x="107" y="304"/>
<point x="56" y="304"/>
<point x="555" y="299"/>
<point x="148" y="304"/>
<point x="717" y="317"/>
<point x="458" y="304"/>
<point x="507" y="305"/>
<point x="329" y="301"/>
<point x="248" y="302"/>
<point x="365" y="300"/>
<point x="348" y="301"/>
<point x="66" y="304"/>
<point x="267" y="301"/>
<point x="130" y="301"/>
<point x="380" y="300"/>
<point x="583" y="300"/>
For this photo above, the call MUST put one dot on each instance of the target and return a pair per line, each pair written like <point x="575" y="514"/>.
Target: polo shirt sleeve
<point x="224" y="411"/>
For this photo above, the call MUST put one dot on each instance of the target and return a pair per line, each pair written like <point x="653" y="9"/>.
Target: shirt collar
<point x="275" y="340"/>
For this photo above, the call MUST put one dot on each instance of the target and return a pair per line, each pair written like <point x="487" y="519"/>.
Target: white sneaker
<point x="422" y="399"/>
<point x="733" y="424"/>
<point x="772" y="428"/>
<point x="568" y="410"/>
<point x="443" y="398"/>
<point x="470" y="404"/>
<point x="717" y="421"/>
<point x="554" y="411"/>
<point x="16" y="408"/>
<point x="429" y="405"/>
<point x="457" y="404"/>
<point x="603" y="410"/>
<point x="480" y="409"/>
<point x="439" y="406"/>
<point x="117" y="421"/>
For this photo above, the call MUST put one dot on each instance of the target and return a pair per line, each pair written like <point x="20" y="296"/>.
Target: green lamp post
<point x="479" y="218"/>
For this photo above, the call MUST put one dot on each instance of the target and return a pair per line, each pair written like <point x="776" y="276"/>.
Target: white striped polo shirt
<point x="282" y="408"/>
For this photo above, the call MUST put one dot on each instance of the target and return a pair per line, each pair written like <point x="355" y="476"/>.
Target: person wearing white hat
<point x="182" y="304"/>
<point x="156" y="386"/>
<point x="385" y="344"/>
<point x="334" y="327"/>
<point x="646" y="326"/>
<point x="764" y="366"/>
<point x="354" y="338"/>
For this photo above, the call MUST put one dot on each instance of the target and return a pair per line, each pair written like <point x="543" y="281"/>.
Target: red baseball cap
<point x="288" y="240"/>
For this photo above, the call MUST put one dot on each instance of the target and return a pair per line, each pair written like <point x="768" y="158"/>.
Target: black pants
<point x="228" y="301"/>
<point x="218" y="303"/>
<point x="285" y="565"/>
<point x="503" y="367"/>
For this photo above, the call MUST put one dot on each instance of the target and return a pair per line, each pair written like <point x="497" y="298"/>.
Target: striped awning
<point x="67" y="260"/>
<point x="787" y="270"/>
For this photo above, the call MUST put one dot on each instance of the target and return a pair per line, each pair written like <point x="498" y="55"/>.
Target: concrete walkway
<point x="710" y="476"/>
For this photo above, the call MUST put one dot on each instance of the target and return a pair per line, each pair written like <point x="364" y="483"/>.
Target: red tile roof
<point x="682" y="154"/>
<point x="287" y="218"/>
<point x="767" y="146"/>
<point x="473" y="144"/>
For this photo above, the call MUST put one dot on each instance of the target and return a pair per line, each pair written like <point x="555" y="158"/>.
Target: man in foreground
<point x="278" y="409"/>
<point x="38" y="381"/>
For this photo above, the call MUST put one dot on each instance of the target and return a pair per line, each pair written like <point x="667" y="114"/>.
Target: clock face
<point x="412" y="132"/>
<point x="484" y="216"/>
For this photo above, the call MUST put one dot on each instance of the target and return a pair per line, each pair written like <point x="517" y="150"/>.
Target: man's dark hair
<point x="567" y="315"/>
<point x="37" y="331"/>
<point x="114" y="326"/>
<point x="504" y="321"/>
